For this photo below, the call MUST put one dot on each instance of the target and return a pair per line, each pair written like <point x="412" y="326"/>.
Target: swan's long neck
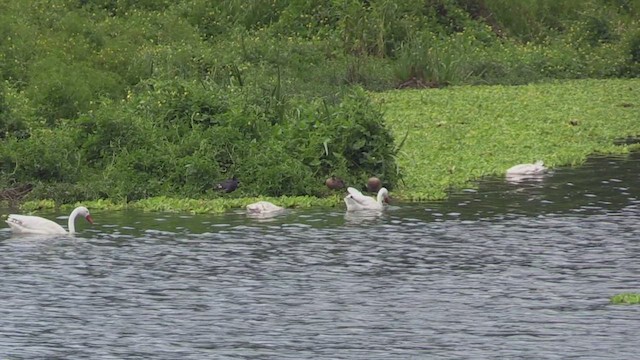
<point x="381" y="196"/>
<point x="72" y="220"/>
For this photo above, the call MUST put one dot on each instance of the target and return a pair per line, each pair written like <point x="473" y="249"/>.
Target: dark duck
<point x="334" y="183"/>
<point x="228" y="185"/>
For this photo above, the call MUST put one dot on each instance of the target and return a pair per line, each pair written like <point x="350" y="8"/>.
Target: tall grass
<point x="435" y="59"/>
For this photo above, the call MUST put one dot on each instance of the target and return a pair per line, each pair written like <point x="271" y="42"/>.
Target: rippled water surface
<point x="508" y="270"/>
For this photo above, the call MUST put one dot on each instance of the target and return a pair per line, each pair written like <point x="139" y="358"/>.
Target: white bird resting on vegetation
<point x="263" y="207"/>
<point x="527" y="169"/>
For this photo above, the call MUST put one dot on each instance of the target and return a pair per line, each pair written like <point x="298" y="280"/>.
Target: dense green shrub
<point x="47" y="155"/>
<point x="631" y="49"/>
<point x="181" y="137"/>
<point x="64" y="91"/>
<point x="15" y="113"/>
<point x="348" y="139"/>
<point x="106" y="133"/>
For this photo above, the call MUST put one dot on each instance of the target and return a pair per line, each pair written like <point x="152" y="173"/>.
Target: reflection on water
<point x="521" y="178"/>
<point x="266" y="216"/>
<point x="364" y="217"/>
<point x="507" y="270"/>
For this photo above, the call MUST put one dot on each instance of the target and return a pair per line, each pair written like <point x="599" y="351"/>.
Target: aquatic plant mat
<point x="626" y="299"/>
<point x="458" y="134"/>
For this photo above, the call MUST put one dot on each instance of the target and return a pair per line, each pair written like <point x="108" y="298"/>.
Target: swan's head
<point x="383" y="196"/>
<point x="84" y="212"/>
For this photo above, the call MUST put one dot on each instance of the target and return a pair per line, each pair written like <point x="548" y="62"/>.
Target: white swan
<point x="263" y="207"/>
<point x="357" y="201"/>
<point x="527" y="169"/>
<point x="26" y="224"/>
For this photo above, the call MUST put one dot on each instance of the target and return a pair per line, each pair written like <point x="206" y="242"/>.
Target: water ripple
<point x="503" y="271"/>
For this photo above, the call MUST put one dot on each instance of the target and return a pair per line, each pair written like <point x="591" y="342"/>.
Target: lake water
<point x="508" y="270"/>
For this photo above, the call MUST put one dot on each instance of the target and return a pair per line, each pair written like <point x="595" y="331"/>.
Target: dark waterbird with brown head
<point x="334" y="183"/>
<point x="374" y="184"/>
<point x="228" y="185"/>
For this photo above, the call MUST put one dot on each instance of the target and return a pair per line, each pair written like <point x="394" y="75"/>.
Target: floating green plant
<point x="460" y="134"/>
<point x="195" y="206"/>
<point x="626" y="298"/>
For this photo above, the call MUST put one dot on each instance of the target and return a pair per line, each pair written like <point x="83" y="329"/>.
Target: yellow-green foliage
<point x="459" y="134"/>
<point x="626" y="298"/>
<point x="30" y="206"/>
<point x="195" y="206"/>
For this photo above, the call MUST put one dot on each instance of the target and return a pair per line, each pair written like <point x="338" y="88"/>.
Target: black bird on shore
<point x="228" y="185"/>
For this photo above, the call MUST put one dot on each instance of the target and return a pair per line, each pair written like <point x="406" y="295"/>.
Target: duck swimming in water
<point x="357" y="201"/>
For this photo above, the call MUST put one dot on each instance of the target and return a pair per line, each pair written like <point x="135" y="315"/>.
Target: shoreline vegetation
<point x="149" y="104"/>
<point x="458" y="135"/>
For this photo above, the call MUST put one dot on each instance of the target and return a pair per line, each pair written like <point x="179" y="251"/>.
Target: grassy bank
<point x="459" y="134"/>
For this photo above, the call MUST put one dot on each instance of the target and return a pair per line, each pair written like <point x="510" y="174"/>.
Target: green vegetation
<point x="626" y="299"/>
<point x="196" y="206"/>
<point x="116" y="101"/>
<point x="458" y="134"/>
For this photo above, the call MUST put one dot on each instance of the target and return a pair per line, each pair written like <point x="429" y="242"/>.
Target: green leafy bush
<point x="349" y="139"/>
<point x="15" y="113"/>
<point x="63" y="91"/>
<point x="47" y="155"/>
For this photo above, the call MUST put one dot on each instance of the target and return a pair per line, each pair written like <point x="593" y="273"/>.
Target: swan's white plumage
<point x="358" y="201"/>
<point x="26" y="224"/>
<point x="33" y="225"/>
<point x="263" y="207"/>
<point x="527" y="169"/>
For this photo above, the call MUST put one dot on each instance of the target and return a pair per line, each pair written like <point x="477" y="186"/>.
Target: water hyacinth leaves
<point x="460" y="134"/>
<point x="626" y="299"/>
<point x="188" y="205"/>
